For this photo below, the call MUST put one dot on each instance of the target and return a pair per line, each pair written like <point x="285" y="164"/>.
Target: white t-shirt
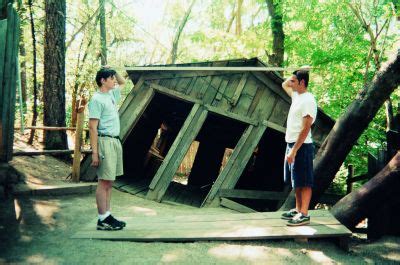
<point x="302" y="105"/>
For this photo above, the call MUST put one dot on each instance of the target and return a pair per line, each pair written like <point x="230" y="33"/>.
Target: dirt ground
<point x="39" y="230"/>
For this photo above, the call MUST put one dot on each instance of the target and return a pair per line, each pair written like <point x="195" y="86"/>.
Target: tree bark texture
<point x="278" y="44"/>
<point x="54" y="73"/>
<point x="103" y="33"/>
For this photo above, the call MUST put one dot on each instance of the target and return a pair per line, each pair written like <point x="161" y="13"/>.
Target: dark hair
<point x="104" y="73"/>
<point x="302" y="75"/>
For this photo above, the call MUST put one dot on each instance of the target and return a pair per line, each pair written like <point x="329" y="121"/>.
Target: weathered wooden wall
<point x="9" y="36"/>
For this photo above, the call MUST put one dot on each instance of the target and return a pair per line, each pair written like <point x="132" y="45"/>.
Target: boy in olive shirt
<point x="104" y="128"/>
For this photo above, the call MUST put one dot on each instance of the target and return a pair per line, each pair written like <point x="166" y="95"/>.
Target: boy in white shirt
<point x="300" y="149"/>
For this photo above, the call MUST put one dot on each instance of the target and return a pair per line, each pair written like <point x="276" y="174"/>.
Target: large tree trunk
<point x="349" y="127"/>
<point x="278" y="45"/>
<point x="381" y="190"/>
<point x="54" y="74"/>
<point x="35" y="85"/>
<point x="103" y="35"/>
<point x="174" y="50"/>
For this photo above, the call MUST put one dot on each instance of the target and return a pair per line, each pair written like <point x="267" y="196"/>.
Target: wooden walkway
<point x="176" y="192"/>
<point x="214" y="227"/>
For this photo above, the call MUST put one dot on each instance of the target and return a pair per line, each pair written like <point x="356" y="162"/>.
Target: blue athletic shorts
<point x="300" y="173"/>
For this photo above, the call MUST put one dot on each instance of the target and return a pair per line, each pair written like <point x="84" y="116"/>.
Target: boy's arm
<point x="287" y="88"/>
<point x="120" y="79"/>
<point x="93" y="123"/>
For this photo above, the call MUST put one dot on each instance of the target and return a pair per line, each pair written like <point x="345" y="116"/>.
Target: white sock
<point x="104" y="216"/>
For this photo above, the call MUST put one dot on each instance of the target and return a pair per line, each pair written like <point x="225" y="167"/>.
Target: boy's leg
<point x="298" y="199"/>
<point x="306" y="193"/>
<point x="108" y="206"/>
<point x="102" y="196"/>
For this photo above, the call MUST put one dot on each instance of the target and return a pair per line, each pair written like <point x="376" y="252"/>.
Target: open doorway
<point x="208" y="155"/>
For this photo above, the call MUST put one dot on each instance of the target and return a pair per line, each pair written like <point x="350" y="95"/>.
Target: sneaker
<point x="290" y="214"/>
<point x="109" y="224"/>
<point x="299" y="219"/>
<point x="122" y="223"/>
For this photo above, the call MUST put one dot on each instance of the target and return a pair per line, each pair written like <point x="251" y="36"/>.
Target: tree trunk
<point x="103" y="35"/>
<point x="349" y="127"/>
<point x="278" y="45"/>
<point x="239" y="17"/>
<point x="379" y="191"/>
<point x="233" y="14"/>
<point x="22" y="53"/>
<point x="35" y="86"/>
<point x="54" y="73"/>
<point x="174" y="50"/>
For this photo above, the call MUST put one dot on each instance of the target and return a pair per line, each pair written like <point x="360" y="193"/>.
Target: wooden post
<point x="350" y="178"/>
<point x="76" y="165"/>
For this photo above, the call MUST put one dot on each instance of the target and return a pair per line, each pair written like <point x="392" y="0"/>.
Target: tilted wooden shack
<point x="222" y="104"/>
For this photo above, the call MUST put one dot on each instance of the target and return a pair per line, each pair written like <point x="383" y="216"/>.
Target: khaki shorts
<point x="110" y="157"/>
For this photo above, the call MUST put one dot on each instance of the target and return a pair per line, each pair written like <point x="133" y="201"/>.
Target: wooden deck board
<point x="251" y="226"/>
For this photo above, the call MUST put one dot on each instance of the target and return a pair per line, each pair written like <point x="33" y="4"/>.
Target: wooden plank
<point x="280" y="112"/>
<point x="239" y="89"/>
<point x="10" y="78"/>
<point x="317" y="216"/>
<point x="224" y="173"/>
<point x="134" y="111"/>
<point x="149" y="76"/>
<point x="3" y="36"/>
<point x="76" y="164"/>
<point x="225" y="102"/>
<point x="274" y="126"/>
<point x="266" y="105"/>
<point x="145" y="224"/>
<point x="212" y="89"/>
<point x="231" y="115"/>
<point x="247" y="96"/>
<point x="173" y="93"/>
<point x="221" y="89"/>
<point x="179" y="148"/>
<point x="236" y="206"/>
<point x="131" y="95"/>
<point x="245" y="153"/>
<point x="273" y="86"/>
<point x="206" y="84"/>
<point x="209" y="68"/>
<point x="252" y="194"/>
<point x="183" y="84"/>
<point x="256" y="100"/>
<point x="239" y="232"/>
<point x="191" y="85"/>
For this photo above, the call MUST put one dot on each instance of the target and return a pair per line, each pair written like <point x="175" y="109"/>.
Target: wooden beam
<point x="231" y="115"/>
<point x="239" y="89"/>
<point x="237" y="163"/>
<point x="176" y="153"/>
<point x="131" y="95"/>
<point x="148" y="76"/>
<point x="274" y="126"/>
<point x="10" y="84"/>
<point x="252" y="194"/>
<point x="130" y="116"/>
<point x="76" y="164"/>
<point x="172" y="93"/>
<point x="49" y="128"/>
<point x="211" y="68"/>
<point x="236" y="206"/>
<point x="47" y="152"/>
